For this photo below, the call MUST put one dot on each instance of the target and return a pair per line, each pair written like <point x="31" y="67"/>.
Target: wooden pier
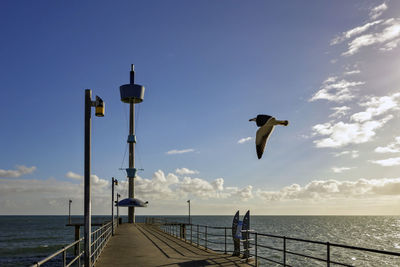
<point x="146" y="245"/>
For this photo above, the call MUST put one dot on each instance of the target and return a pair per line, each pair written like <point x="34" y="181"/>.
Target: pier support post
<point x="87" y="205"/>
<point x="183" y="231"/>
<point x="99" y="105"/>
<point x="77" y="235"/>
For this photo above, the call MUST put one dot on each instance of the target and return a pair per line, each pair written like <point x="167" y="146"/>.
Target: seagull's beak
<point x="253" y="119"/>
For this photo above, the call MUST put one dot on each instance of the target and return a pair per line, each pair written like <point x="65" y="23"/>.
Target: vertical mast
<point x="131" y="94"/>
<point x="131" y="210"/>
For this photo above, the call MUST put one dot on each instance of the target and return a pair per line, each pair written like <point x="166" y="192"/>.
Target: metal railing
<point x="203" y="236"/>
<point x="322" y="255"/>
<point x="99" y="238"/>
<point x="270" y="249"/>
<point x="63" y="251"/>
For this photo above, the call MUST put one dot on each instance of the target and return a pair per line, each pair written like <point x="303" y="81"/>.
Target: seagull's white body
<point x="265" y="130"/>
<point x="262" y="136"/>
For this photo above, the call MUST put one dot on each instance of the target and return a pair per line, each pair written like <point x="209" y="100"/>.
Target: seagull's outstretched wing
<point x="262" y="137"/>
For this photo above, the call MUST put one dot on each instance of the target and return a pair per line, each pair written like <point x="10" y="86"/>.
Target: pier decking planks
<point x="144" y="245"/>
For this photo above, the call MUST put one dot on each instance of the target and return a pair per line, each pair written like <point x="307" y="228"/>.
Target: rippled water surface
<point x="26" y="239"/>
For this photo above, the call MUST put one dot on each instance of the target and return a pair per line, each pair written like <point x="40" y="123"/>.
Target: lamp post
<point x="118" y="196"/>
<point x="114" y="182"/>
<point x="132" y="94"/>
<point x="69" y="211"/>
<point x="99" y="105"/>
<point x="190" y="221"/>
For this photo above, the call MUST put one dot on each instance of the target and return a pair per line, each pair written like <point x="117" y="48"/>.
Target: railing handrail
<point x="65" y="248"/>
<point x="285" y="251"/>
<point x="391" y="253"/>
<point x="58" y="252"/>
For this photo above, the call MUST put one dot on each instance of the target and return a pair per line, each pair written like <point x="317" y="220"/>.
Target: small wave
<point x="39" y="250"/>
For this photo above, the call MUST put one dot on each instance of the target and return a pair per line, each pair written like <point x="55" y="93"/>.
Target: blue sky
<point x="330" y="68"/>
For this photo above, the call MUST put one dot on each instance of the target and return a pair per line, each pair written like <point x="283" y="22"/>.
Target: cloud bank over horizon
<point x="52" y="194"/>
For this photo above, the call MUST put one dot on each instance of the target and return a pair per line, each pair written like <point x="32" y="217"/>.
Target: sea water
<point x="25" y="240"/>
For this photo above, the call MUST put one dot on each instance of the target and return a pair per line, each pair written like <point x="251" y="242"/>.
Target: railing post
<point x="246" y="245"/>
<point x="328" y="254"/>
<point x="64" y="258"/>
<point x="198" y="235"/>
<point x="225" y="239"/>
<point x="206" y="237"/>
<point x="79" y="252"/>
<point x="77" y="236"/>
<point x="256" y="247"/>
<point x="284" y="251"/>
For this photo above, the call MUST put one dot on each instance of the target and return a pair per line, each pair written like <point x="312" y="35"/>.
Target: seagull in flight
<point x="266" y="124"/>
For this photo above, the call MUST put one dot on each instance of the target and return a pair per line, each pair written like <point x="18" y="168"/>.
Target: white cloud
<point x="352" y="72"/>
<point x="340" y="169"/>
<point x="218" y="184"/>
<point x="339" y="111"/>
<point x="73" y="175"/>
<point x="244" y="140"/>
<point x="390" y="148"/>
<point x="245" y="193"/>
<point x="353" y="32"/>
<point x="337" y="91"/>
<point x="159" y="187"/>
<point x="185" y="171"/>
<point x="95" y="180"/>
<point x="170" y="187"/>
<point x="333" y="189"/>
<point x="341" y="134"/>
<point x="377" y="11"/>
<point x="197" y="187"/>
<point x="353" y="153"/>
<point x="377" y="106"/>
<point x="21" y="170"/>
<point x="390" y="45"/>
<point x="388" y="34"/>
<point x="387" y="162"/>
<point x="175" y="151"/>
<point x="363" y="126"/>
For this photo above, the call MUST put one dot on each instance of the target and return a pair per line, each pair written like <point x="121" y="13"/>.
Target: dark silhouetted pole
<point x="114" y="182"/>
<point x="190" y="221"/>
<point x="99" y="104"/>
<point x="131" y="210"/>
<point x="87" y="205"/>
<point x="69" y="211"/>
<point x="118" y="196"/>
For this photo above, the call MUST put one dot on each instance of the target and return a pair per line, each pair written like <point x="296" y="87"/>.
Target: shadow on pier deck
<point x="145" y="245"/>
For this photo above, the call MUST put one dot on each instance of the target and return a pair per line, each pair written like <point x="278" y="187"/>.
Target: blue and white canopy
<point x="132" y="202"/>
